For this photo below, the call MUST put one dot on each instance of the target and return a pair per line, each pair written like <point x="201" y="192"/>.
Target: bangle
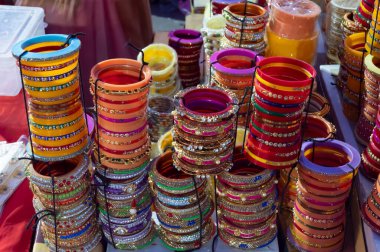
<point x="240" y="177"/>
<point x="318" y="105"/>
<point x="319" y="210"/>
<point x="162" y="60"/>
<point x="345" y="149"/>
<point x="187" y="44"/>
<point x="169" y="179"/>
<point x="221" y="110"/>
<point x="318" y="127"/>
<point x="160" y="116"/>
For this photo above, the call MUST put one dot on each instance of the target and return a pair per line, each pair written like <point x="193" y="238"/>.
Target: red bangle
<point x="272" y="95"/>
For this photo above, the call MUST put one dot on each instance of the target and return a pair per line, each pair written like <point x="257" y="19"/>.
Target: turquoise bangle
<point x="72" y="48"/>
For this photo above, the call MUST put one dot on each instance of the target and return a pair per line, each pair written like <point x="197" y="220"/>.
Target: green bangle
<point x="263" y="110"/>
<point x="131" y="171"/>
<point x="180" y="188"/>
<point x="64" y="196"/>
<point x="127" y="208"/>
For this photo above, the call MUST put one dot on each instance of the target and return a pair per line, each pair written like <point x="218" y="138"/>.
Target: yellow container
<point x="303" y="49"/>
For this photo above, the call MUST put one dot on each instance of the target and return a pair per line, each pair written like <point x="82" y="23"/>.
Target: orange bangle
<point x="126" y="153"/>
<point x="125" y="67"/>
<point x="130" y="166"/>
<point x="327" y="242"/>
<point x="124" y="145"/>
<point x="122" y="127"/>
<point x="125" y="114"/>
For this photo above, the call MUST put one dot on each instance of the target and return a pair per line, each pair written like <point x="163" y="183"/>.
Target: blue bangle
<point x="72" y="48"/>
<point x="279" y="105"/>
<point x="77" y="233"/>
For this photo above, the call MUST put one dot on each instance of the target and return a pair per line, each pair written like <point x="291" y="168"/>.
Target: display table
<point x="345" y="132"/>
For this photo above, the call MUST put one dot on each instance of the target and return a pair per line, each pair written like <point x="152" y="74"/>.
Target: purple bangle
<point x="215" y="57"/>
<point x="120" y="120"/>
<point x="186" y="37"/>
<point x="212" y="95"/>
<point x="128" y="228"/>
<point x="119" y="191"/>
<point x="128" y="133"/>
<point x="350" y="151"/>
<point x="203" y="133"/>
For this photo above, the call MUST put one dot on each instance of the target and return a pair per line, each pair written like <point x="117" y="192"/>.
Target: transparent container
<point x="16" y="23"/>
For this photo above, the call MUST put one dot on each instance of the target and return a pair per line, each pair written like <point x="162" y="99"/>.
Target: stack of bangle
<point x="373" y="35"/>
<point x="64" y="186"/>
<point x="165" y="141"/>
<point x="336" y="10"/>
<point x="314" y="127"/>
<point x="326" y="170"/>
<point x="212" y="32"/>
<point x="370" y="102"/>
<point x="160" y="118"/>
<point x="349" y="26"/>
<point x="352" y="86"/>
<point x="162" y="61"/>
<point x="363" y="14"/>
<point x="128" y="201"/>
<point x="293" y="25"/>
<point x="203" y="133"/>
<point x="218" y="5"/>
<point x="49" y="68"/>
<point x="275" y="126"/>
<point x="122" y="152"/>
<point x="247" y="202"/>
<point x="233" y="69"/>
<point x="188" y="44"/>
<point x="183" y="206"/>
<point x="245" y="25"/>
<point x="318" y="105"/>
<point x="371" y="208"/>
<point x="371" y="155"/>
<point x="290" y="194"/>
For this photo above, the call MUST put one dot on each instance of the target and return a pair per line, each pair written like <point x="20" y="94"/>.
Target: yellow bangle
<point x="264" y="161"/>
<point x="363" y="8"/>
<point x="46" y="153"/>
<point x="166" y="90"/>
<point x="54" y="82"/>
<point x="56" y="93"/>
<point x="63" y="142"/>
<point x="162" y="61"/>
<point x="58" y="132"/>
<point x="61" y="71"/>
<point x="48" y="63"/>
<point x="62" y="120"/>
<point x="369" y="63"/>
<point x="55" y="101"/>
<point x="278" y="87"/>
<point x="351" y="43"/>
<point x="298" y="68"/>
